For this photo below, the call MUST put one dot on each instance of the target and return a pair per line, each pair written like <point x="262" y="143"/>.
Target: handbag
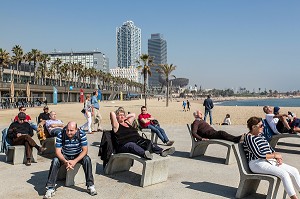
<point x="83" y="111"/>
<point x="154" y="122"/>
<point x="145" y="143"/>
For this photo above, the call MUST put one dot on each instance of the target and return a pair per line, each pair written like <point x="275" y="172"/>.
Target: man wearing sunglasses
<point x="20" y="133"/>
<point x="27" y="119"/>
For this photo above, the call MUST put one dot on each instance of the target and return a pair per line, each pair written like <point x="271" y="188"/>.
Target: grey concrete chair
<point x="275" y="138"/>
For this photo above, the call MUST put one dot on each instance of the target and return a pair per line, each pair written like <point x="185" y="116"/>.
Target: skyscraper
<point x="128" y="44"/>
<point x="157" y="48"/>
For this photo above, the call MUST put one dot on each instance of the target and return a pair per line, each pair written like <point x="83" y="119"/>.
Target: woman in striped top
<point x="263" y="159"/>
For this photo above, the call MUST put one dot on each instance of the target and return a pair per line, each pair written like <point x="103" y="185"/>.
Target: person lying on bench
<point x="263" y="159"/>
<point x="54" y="126"/>
<point x="71" y="148"/>
<point x="276" y="121"/>
<point x="203" y="131"/>
<point x="20" y="133"/>
<point x="127" y="136"/>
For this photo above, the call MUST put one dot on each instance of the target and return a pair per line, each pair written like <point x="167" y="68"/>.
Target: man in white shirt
<point x="278" y="122"/>
<point x="54" y="126"/>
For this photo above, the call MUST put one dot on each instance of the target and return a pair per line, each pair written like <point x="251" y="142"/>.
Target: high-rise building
<point x="157" y="48"/>
<point x="128" y="44"/>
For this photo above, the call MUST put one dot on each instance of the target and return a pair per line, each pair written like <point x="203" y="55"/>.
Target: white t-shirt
<point x="227" y="121"/>
<point x="272" y="122"/>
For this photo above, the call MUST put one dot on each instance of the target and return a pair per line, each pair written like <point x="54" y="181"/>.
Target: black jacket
<point x="107" y="146"/>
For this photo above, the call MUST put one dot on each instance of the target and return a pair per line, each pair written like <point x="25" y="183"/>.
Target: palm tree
<point x="28" y="58"/>
<point x="56" y="64"/>
<point x="44" y="59"/>
<point x="147" y="63"/>
<point x="17" y="59"/>
<point x="35" y="58"/>
<point x="166" y="70"/>
<point x="4" y="61"/>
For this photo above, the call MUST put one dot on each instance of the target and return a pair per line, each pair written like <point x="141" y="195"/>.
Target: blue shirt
<point x="71" y="147"/>
<point x="94" y="102"/>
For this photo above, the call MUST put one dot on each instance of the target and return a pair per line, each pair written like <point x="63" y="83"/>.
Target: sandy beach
<point x="173" y="114"/>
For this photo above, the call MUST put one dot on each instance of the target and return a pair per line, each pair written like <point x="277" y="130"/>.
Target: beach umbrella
<point x="12" y="91"/>
<point x="28" y="91"/>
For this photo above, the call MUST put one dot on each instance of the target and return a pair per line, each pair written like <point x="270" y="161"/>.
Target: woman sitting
<point x="263" y="159"/>
<point x="127" y="136"/>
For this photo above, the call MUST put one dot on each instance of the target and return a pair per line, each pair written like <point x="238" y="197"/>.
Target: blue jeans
<point x="208" y="111"/>
<point x="159" y="132"/>
<point x="56" y="164"/>
<point x="33" y="126"/>
<point x="54" y="132"/>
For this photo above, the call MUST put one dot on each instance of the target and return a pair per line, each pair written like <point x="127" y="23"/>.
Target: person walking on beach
<point x="201" y="130"/>
<point x="262" y="158"/>
<point x="88" y="114"/>
<point x="96" y="116"/>
<point x="188" y="105"/>
<point x="276" y="121"/>
<point x="209" y="105"/>
<point x="184" y="105"/>
<point x="71" y="148"/>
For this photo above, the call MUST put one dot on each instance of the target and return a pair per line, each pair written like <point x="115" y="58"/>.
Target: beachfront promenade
<point x="202" y="177"/>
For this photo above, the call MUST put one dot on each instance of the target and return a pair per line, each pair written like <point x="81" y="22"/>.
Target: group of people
<point x="72" y="145"/>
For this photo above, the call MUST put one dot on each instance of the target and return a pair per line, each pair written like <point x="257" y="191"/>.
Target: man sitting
<point x="27" y="119"/>
<point x="71" y="148"/>
<point x="145" y="122"/>
<point x="44" y="115"/>
<point x="203" y="131"/>
<point x="20" y="133"/>
<point x="54" y="126"/>
<point x="277" y="122"/>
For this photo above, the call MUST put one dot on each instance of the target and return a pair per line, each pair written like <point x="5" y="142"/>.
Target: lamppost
<point x="171" y="83"/>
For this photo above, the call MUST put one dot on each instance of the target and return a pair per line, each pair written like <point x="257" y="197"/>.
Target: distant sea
<point x="283" y="102"/>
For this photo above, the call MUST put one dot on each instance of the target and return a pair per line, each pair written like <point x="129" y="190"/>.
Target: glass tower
<point x="157" y="48"/>
<point x="128" y="44"/>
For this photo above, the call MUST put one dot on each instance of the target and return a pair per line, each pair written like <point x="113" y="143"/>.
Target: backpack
<point x="64" y="135"/>
<point x="4" y="142"/>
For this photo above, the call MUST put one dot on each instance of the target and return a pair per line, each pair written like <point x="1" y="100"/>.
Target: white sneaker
<point x="91" y="189"/>
<point x="49" y="193"/>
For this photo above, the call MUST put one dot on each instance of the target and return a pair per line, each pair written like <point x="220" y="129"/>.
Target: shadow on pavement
<point x="290" y="151"/>
<point x="288" y="144"/>
<point x="184" y="154"/>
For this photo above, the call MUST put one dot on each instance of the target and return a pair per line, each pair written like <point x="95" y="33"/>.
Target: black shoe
<point x="148" y="155"/>
<point x="168" y="151"/>
<point x="28" y="162"/>
<point x="41" y="150"/>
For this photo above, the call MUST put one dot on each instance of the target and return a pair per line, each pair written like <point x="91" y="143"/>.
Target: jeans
<point x="289" y="175"/>
<point x="33" y="126"/>
<point x="56" y="164"/>
<point x="159" y="132"/>
<point x="54" y="132"/>
<point x="132" y="147"/>
<point x="208" y="111"/>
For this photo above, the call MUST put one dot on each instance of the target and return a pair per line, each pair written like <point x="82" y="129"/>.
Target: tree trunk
<point x="167" y="101"/>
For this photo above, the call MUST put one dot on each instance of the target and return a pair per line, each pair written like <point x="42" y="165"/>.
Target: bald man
<point x="203" y="131"/>
<point x="71" y="148"/>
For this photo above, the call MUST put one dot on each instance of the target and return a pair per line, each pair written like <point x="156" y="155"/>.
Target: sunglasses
<point x="23" y="109"/>
<point x="260" y="126"/>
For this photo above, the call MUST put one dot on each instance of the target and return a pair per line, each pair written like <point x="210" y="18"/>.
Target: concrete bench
<point x="72" y="177"/>
<point x="199" y="147"/>
<point x="16" y="154"/>
<point x="275" y="138"/>
<point x="49" y="144"/>
<point x="249" y="181"/>
<point x="154" y="171"/>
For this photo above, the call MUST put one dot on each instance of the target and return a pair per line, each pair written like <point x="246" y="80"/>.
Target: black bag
<point x="83" y="111"/>
<point x="145" y="143"/>
<point x="154" y="122"/>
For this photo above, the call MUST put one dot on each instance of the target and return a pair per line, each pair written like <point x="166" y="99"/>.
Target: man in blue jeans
<point x="71" y="147"/>
<point x="209" y="105"/>
<point x="145" y="120"/>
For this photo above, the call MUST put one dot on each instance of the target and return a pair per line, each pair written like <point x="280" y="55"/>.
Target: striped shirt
<point x="256" y="147"/>
<point x="72" y="147"/>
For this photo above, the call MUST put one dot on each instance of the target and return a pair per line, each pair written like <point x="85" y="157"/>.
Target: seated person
<point x="127" y="136"/>
<point x="28" y="118"/>
<point x="44" y="115"/>
<point x="20" y="133"/>
<point x="227" y="120"/>
<point x="145" y="122"/>
<point x="71" y="148"/>
<point x="201" y="130"/>
<point x="54" y="126"/>
<point x="277" y="122"/>
<point x="263" y="159"/>
<point x="294" y="122"/>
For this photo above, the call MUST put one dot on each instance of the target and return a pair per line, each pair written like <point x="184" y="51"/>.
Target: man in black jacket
<point x="20" y="133"/>
<point x="209" y="105"/>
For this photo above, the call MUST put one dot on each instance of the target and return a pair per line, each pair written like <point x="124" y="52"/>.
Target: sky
<point x="222" y="44"/>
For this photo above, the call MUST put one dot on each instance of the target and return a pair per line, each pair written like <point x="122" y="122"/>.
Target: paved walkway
<point x="201" y="177"/>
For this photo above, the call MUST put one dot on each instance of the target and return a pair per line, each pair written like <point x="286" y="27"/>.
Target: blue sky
<point x="214" y="43"/>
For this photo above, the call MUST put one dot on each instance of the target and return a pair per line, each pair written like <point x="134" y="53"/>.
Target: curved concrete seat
<point x="154" y="171"/>
<point x="199" y="147"/>
<point x="275" y="138"/>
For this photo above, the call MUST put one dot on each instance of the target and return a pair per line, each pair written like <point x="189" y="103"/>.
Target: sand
<point x="173" y="114"/>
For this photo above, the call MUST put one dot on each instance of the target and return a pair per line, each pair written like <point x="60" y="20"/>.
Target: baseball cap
<point x="276" y="109"/>
<point x="22" y="116"/>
